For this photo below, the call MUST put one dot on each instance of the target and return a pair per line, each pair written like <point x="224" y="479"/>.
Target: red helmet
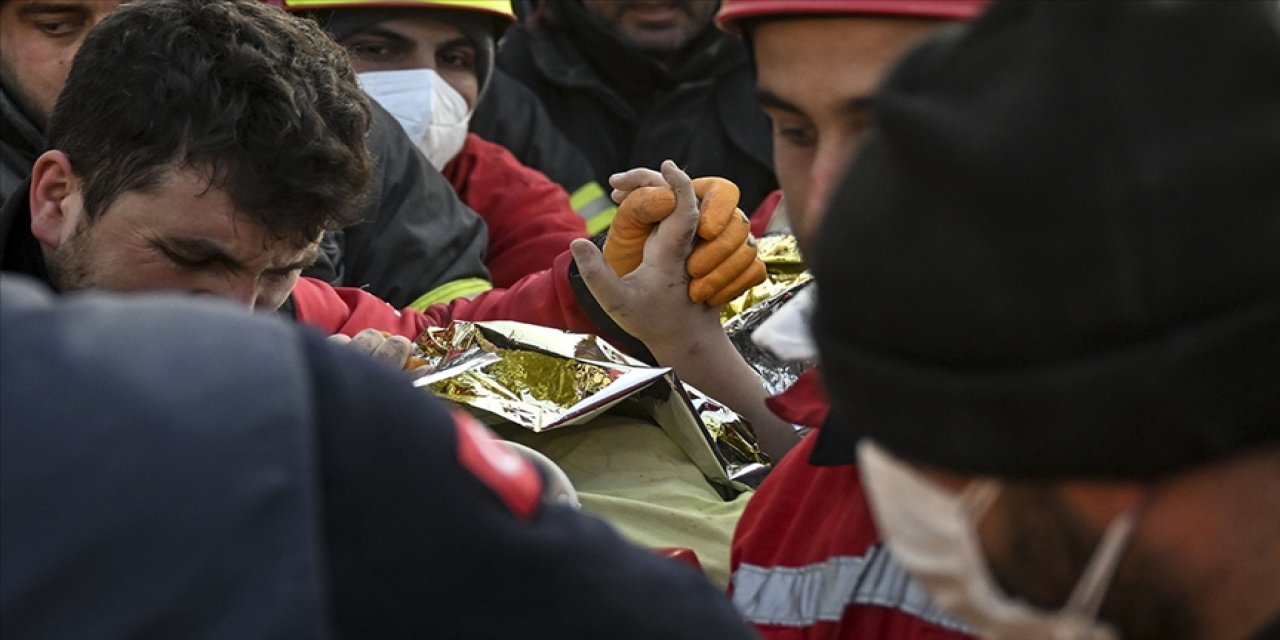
<point x="732" y="12"/>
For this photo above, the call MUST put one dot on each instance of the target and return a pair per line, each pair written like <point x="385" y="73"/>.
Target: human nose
<point x="829" y="166"/>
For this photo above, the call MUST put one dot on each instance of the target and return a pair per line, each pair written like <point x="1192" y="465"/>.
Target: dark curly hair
<point x="265" y="103"/>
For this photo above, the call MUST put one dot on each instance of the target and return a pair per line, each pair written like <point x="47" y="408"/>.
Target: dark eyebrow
<point x="200" y="249"/>
<point x="398" y="38"/>
<point x="768" y="99"/>
<point x="380" y="32"/>
<point x="460" y="41"/>
<point x="50" y="7"/>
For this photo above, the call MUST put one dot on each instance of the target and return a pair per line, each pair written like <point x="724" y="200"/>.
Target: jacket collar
<point x="19" y="250"/>
<point x="20" y="133"/>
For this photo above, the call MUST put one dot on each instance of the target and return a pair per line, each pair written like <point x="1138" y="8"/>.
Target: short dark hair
<point x="265" y="103"/>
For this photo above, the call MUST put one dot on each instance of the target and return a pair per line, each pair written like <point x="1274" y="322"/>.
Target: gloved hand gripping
<point x="723" y="263"/>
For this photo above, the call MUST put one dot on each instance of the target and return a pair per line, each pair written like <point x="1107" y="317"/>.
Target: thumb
<point x="605" y="286"/>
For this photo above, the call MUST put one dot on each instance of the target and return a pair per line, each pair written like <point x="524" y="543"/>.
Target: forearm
<point x="710" y="363"/>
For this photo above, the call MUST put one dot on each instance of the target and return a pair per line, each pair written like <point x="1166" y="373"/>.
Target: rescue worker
<point x="811" y="522"/>
<point x="1050" y="315"/>
<point x="175" y="468"/>
<point x="634" y="82"/>
<point x="429" y="64"/>
<point x="415" y="241"/>
<point x="807" y="559"/>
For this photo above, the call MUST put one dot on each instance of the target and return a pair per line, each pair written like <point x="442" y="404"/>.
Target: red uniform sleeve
<point x="530" y="219"/>
<point x="811" y="525"/>
<point x="545" y="298"/>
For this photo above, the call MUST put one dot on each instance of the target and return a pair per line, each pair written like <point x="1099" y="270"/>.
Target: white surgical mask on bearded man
<point x="433" y="113"/>
<point x="933" y="533"/>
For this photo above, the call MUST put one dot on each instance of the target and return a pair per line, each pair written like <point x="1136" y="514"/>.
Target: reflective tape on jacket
<point x="462" y="288"/>
<point x="593" y="205"/>
<point x="820" y="592"/>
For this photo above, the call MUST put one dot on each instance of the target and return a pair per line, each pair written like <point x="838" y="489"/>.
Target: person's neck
<point x="1243" y="603"/>
<point x="1236" y="562"/>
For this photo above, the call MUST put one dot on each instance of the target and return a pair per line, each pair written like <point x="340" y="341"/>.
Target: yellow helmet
<point x="496" y="8"/>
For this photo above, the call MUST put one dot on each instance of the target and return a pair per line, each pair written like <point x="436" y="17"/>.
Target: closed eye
<point x="183" y="261"/>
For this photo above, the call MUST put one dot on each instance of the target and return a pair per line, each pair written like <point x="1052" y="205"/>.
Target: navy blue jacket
<point x="176" y="468"/>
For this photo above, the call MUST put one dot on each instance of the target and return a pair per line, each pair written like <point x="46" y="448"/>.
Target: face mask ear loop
<point x="978" y="496"/>
<point x="1086" y="599"/>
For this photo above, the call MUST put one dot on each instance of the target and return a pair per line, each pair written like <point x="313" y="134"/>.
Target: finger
<point x="718" y="205"/>
<point x="708" y="255"/>
<point x="394" y="351"/>
<point x="604" y="285"/>
<point x="636" y="178"/>
<point x="727" y="271"/>
<point x="649" y="205"/>
<point x="367" y="340"/>
<point x="753" y="276"/>
<point x="624" y="247"/>
<point x="339" y="338"/>
<point x="674" y="236"/>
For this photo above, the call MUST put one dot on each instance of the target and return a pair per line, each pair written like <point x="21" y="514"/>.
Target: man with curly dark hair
<point x="192" y="150"/>
<point x="415" y="242"/>
<point x="254" y="119"/>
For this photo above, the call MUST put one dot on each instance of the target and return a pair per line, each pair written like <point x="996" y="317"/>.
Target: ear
<point x="56" y="202"/>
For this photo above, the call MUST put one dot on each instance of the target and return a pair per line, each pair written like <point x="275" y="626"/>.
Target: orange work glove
<point x="723" y="263"/>
<point x="636" y="217"/>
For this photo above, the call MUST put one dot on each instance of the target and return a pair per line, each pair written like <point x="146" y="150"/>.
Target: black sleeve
<point x="416" y="234"/>
<point x="511" y="115"/>
<point x="420" y="547"/>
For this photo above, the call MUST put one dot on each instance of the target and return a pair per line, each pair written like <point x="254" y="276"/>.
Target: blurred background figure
<point x="1050" y="310"/>
<point x="633" y="82"/>
<point x="37" y="42"/>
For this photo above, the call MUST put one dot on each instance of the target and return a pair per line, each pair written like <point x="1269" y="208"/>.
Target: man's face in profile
<point x="814" y="79"/>
<point x="182" y="233"/>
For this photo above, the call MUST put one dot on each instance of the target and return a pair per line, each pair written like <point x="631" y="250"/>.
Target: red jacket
<point x="529" y="217"/>
<point x="764" y="213"/>
<point x="807" y="561"/>
<point x="544" y="298"/>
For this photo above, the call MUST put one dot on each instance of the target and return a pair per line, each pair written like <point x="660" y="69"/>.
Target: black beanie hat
<point x="483" y="31"/>
<point x="1058" y="251"/>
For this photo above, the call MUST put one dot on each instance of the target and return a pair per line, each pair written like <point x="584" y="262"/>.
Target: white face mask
<point x="433" y="113"/>
<point x="933" y="533"/>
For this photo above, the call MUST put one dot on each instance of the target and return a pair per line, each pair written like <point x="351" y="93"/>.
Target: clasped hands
<point x="671" y="257"/>
<point x="722" y="264"/>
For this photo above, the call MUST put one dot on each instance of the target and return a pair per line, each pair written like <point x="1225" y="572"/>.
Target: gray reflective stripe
<point x="803" y="596"/>
<point x="594" y="207"/>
